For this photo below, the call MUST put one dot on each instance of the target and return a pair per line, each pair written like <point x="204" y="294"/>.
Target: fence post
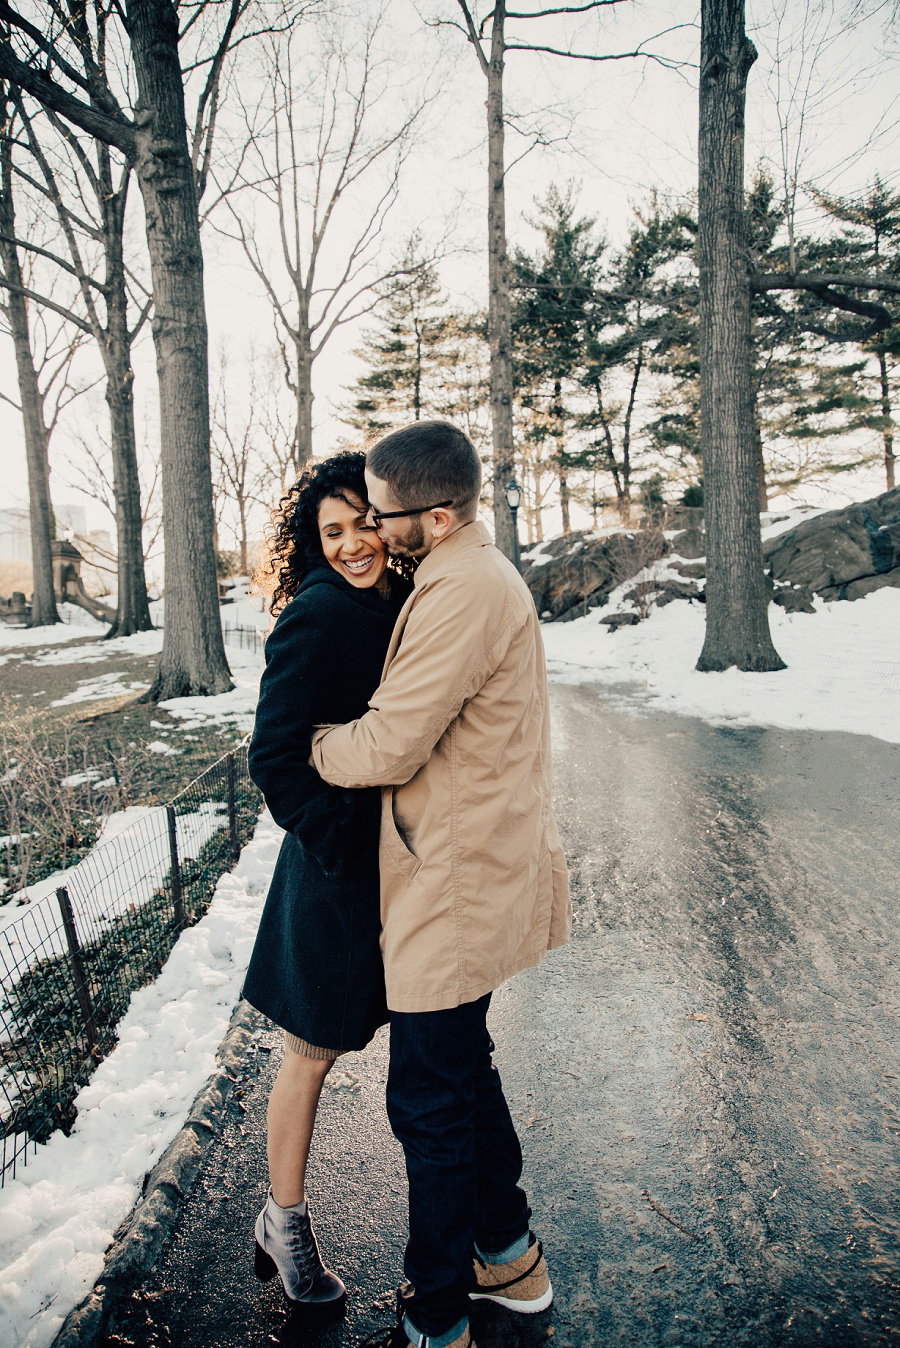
<point x="232" y="811"/>
<point x="177" y="895"/>
<point x="81" y="988"/>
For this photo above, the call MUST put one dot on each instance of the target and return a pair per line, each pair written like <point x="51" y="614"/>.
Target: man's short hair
<point x="427" y="462"/>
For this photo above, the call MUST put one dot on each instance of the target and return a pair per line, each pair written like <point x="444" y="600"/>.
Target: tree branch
<point x="52" y="257"/>
<point x="763" y="281"/>
<point x="46" y="303"/>
<point x="565" y="9"/>
<point x="473" y="36"/>
<point x="667" y="61"/>
<point x="111" y="130"/>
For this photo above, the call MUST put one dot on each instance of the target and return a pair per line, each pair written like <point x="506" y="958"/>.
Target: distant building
<point x="15" y="530"/>
<point x="72" y="518"/>
<point x="15" y="535"/>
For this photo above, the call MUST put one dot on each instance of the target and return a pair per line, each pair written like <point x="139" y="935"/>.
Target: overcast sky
<point x="618" y="130"/>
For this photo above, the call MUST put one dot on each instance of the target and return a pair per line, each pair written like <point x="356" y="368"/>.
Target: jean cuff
<point x="433" y="1340"/>
<point x="514" y="1251"/>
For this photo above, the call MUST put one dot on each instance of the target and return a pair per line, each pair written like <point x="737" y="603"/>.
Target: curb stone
<point x="138" y="1241"/>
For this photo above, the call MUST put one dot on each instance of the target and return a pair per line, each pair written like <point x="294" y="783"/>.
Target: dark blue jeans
<point x="446" y="1107"/>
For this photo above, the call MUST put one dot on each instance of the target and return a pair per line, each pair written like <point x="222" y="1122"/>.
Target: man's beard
<point x="413" y="545"/>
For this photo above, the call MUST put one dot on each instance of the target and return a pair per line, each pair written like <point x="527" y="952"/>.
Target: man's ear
<point x="442" y="519"/>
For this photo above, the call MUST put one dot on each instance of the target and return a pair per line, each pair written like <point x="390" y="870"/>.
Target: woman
<point x="316" y="966"/>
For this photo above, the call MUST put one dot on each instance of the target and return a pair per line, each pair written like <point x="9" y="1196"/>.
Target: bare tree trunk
<point x="132" y="608"/>
<point x="737" y="624"/>
<point x="193" y="655"/>
<point x="499" y="315"/>
<point x="304" y="394"/>
<point x="564" y="501"/>
<point x="43" y="603"/>
<point x="242" y="515"/>
<point x="762" y="489"/>
<point x="886" y="412"/>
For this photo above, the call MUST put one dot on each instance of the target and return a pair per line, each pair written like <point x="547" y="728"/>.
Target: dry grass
<point x="100" y="739"/>
<point x="14" y="575"/>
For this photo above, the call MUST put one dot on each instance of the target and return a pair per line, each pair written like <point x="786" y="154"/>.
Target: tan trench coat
<point x="473" y="878"/>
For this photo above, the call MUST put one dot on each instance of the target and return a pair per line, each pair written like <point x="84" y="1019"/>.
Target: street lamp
<point x="513" y="500"/>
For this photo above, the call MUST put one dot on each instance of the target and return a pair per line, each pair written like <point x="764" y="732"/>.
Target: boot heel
<point x="264" y="1265"/>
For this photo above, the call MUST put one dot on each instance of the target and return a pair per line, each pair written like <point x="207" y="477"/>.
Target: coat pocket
<point x="394" y="844"/>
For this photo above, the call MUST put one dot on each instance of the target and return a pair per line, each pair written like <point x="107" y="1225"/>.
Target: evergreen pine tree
<point x="870" y="240"/>
<point x="808" y="402"/>
<point x="555" y="293"/>
<point x="406" y="355"/>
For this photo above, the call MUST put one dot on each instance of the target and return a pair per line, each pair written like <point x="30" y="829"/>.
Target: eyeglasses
<point x="379" y="515"/>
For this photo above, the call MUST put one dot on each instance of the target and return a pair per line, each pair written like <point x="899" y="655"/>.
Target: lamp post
<point x="513" y="500"/>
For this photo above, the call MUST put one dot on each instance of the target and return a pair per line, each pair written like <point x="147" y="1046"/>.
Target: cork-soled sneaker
<point x="395" y="1336"/>
<point x="522" y="1285"/>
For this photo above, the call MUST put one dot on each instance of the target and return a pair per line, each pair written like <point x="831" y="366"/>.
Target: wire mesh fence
<point x="69" y="964"/>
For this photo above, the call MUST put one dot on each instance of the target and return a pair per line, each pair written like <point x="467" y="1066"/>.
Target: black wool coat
<point x="316" y="966"/>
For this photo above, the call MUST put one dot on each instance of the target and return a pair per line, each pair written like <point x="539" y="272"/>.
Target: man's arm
<point x="449" y="649"/>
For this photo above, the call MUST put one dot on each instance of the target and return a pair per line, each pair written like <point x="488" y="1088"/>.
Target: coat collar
<point x="367" y="598"/>
<point x="471" y="535"/>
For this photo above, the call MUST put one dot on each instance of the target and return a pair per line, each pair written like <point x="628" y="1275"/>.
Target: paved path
<point x="705" y="1081"/>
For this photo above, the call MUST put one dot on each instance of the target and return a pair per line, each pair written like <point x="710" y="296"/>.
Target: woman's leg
<point x="291" y="1119"/>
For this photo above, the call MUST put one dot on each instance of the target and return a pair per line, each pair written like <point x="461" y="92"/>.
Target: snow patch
<point x="59" y="1215"/>
<point x="843" y="665"/>
<point x="92" y="690"/>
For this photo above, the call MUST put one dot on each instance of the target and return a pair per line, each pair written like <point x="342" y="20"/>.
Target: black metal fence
<point x="70" y="962"/>
<point x="248" y="638"/>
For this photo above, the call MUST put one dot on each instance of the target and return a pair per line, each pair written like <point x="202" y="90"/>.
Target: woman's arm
<point x="302" y="654"/>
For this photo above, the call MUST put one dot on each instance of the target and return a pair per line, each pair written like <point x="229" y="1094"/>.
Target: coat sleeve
<point x="338" y="827"/>
<point x="449" y="649"/>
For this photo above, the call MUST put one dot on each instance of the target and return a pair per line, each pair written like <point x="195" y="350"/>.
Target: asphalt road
<point x="705" y="1080"/>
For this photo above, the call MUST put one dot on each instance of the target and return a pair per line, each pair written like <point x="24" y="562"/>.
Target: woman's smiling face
<point x="351" y="545"/>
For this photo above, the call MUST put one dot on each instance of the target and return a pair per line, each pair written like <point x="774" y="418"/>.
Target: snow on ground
<point x="843" y="665"/>
<point x="123" y="870"/>
<point x="92" y="690"/>
<point x="76" y="625"/>
<point x="246" y="610"/>
<point x="238" y="706"/>
<point x="59" y="1215"/>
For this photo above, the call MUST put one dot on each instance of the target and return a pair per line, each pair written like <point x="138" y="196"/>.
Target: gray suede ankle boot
<point x="285" y="1244"/>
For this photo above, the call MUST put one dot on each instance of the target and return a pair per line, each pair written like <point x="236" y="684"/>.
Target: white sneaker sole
<point x="523" y="1307"/>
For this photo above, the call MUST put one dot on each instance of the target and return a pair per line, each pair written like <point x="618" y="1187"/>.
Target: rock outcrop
<point x="577" y="572"/>
<point x="843" y="554"/>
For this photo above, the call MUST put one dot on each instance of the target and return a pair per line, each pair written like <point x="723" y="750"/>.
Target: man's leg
<point x="510" y="1267"/>
<point x="439" y="1098"/>
<point x="503" y="1210"/>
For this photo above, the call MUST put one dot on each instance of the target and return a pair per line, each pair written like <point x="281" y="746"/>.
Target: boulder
<point x="689" y="543"/>
<point x="794" y="600"/>
<point x="616" y="620"/>
<point x="842" y="554"/>
<point x="577" y="571"/>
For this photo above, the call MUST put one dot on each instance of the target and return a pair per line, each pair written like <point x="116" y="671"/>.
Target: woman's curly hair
<point x="292" y="546"/>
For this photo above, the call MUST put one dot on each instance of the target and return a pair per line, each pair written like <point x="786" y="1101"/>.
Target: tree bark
<point x="762" y="488"/>
<point x="886" y="412"/>
<point x="132" y="607"/>
<point x="737" y="624"/>
<point x="564" y="501"/>
<point x="304" y="396"/>
<point x="499" y="314"/>
<point x="193" y="656"/>
<point x="43" y="603"/>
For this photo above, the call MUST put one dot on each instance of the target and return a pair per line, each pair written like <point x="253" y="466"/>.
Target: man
<point x="473" y="880"/>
